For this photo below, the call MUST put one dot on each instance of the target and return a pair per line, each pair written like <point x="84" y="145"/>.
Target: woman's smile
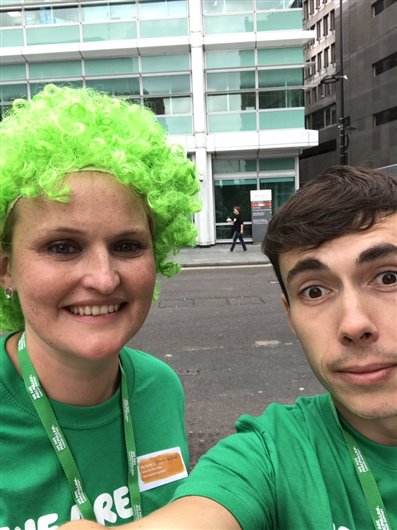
<point x="94" y="310"/>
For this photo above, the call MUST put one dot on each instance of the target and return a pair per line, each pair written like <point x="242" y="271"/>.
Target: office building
<point x="351" y="84"/>
<point x="224" y="77"/>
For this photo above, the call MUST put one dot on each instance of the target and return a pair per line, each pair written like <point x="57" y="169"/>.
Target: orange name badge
<point x="161" y="467"/>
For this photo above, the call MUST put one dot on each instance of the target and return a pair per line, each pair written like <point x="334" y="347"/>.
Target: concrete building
<point x="351" y="84"/>
<point x="225" y="78"/>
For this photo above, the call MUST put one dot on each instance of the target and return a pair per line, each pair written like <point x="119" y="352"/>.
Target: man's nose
<point x="357" y="323"/>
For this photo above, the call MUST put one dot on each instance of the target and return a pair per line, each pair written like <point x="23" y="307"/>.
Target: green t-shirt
<point x="290" y="469"/>
<point x="34" y="493"/>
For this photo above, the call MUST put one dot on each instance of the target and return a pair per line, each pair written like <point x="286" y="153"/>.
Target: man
<point x="333" y="246"/>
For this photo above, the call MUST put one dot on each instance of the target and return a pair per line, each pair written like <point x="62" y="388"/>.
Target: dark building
<point x="351" y="84"/>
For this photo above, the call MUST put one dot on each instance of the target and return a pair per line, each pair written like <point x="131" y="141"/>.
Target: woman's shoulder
<point x="146" y="365"/>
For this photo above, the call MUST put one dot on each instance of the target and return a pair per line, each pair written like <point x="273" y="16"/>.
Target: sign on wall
<point x="261" y="213"/>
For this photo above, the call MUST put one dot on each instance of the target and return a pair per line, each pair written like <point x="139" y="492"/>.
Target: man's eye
<point x="63" y="248"/>
<point x="314" y="291"/>
<point x="386" y="278"/>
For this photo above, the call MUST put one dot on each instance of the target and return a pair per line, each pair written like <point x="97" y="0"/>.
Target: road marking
<point x="200" y="348"/>
<point x="204" y="267"/>
<point x="259" y="343"/>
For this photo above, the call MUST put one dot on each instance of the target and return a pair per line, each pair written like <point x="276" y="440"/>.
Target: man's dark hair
<point x="342" y="200"/>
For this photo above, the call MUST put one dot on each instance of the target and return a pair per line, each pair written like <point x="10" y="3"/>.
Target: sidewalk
<point x="220" y="255"/>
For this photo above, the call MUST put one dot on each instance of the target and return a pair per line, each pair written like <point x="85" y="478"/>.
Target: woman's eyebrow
<point x="382" y="250"/>
<point x="304" y="265"/>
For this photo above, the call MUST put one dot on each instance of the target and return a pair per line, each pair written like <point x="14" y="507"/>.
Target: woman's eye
<point x="314" y="291"/>
<point x="63" y="248"/>
<point x="128" y="246"/>
<point x="386" y="278"/>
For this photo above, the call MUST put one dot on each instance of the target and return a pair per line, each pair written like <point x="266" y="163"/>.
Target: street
<point x="224" y="331"/>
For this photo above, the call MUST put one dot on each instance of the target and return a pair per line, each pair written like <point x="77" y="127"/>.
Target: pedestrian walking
<point x="238" y="229"/>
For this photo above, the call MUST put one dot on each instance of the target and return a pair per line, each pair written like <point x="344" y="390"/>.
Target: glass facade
<point x="146" y="51"/>
<point x="242" y="16"/>
<point x="258" y="90"/>
<point x="88" y="22"/>
<point x="137" y="78"/>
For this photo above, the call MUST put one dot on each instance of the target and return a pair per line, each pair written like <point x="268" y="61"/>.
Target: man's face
<point x="343" y="309"/>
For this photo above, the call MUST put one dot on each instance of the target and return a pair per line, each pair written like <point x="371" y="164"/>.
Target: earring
<point x="9" y="293"/>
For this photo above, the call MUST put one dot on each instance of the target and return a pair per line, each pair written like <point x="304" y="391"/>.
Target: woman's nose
<point x="100" y="272"/>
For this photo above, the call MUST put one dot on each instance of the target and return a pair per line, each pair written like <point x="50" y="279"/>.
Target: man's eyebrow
<point x="376" y="252"/>
<point x="308" y="264"/>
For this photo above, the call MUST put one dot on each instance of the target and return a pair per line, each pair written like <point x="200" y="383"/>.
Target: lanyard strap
<point x="367" y="479"/>
<point x="60" y="445"/>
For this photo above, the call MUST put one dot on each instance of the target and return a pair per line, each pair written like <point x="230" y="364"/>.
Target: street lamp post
<point x="343" y="138"/>
<point x="340" y="76"/>
<point x="342" y="119"/>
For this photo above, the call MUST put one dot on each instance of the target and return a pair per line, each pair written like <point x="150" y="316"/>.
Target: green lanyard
<point x="60" y="445"/>
<point x="367" y="479"/>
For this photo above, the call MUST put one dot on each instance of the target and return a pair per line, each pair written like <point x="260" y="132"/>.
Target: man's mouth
<point x="371" y="374"/>
<point x="94" y="310"/>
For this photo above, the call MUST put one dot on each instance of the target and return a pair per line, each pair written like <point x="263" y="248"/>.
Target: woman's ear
<point x="5" y="274"/>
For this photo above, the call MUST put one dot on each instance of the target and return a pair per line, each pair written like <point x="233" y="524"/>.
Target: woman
<point x="92" y="202"/>
<point x="238" y="228"/>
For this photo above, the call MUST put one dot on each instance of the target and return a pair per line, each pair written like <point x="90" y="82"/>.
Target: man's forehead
<point x="361" y="246"/>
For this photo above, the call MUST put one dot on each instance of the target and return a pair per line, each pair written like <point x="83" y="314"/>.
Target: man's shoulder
<point x="306" y="414"/>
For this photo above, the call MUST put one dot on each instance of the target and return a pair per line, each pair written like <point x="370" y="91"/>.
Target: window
<point x="311" y="6"/>
<point x="277" y="99"/>
<point x="381" y="5"/>
<point x="325" y="25"/>
<point x="230" y="81"/>
<point x="332" y="20"/>
<point x="108" y="12"/>
<point x="280" y="77"/>
<point x="323" y="117"/>
<point x="231" y="102"/>
<point x="51" y="15"/>
<point x="162" y="85"/>
<point x="306" y="10"/>
<point x="314" y="95"/>
<point x="387" y="63"/>
<point x="318" y="27"/>
<point x="318" y="119"/>
<point x="326" y="57"/>
<point x="55" y="69"/>
<point x="328" y="89"/>
<point x="169" y="105"/>
<point x="10" y="18"/>
<point x="385" y="116"/>
<point x="232" y="58"/>
<point x="117" y="86"/>
<point x="333" y="53"/>
<point x="330" y="115"/>
<point x="212" y="7"/>
<point x="319" y="61"/>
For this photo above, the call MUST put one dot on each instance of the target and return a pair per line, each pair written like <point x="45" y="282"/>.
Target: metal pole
<point x="343" y="159"/>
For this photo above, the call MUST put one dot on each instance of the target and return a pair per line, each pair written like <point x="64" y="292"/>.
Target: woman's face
<point x="84" y="271"/>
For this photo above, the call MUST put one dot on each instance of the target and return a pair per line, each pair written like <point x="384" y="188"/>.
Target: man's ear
<point x="5" y="274"/>
<point x="287" y="309"/>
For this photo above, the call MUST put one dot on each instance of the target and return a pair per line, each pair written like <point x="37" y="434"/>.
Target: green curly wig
<point x="63" y="130"/>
